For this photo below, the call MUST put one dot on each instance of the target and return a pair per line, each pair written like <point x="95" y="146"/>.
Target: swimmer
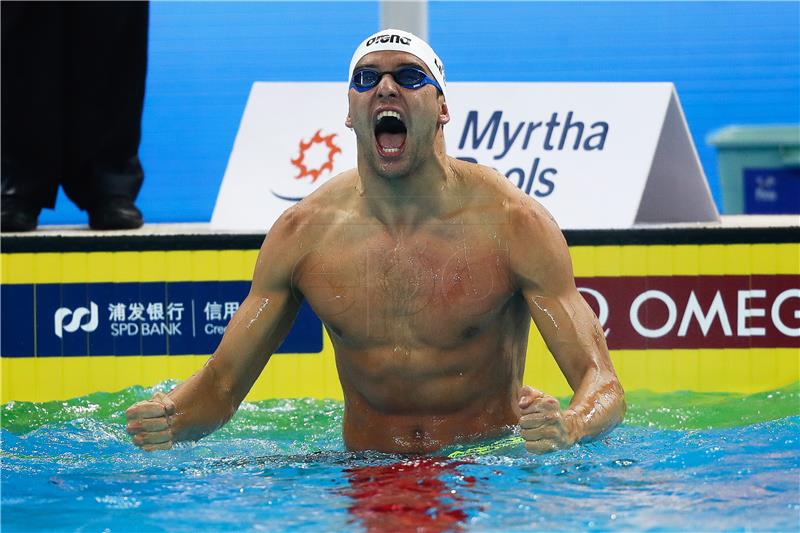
<point x="425" y="271"/>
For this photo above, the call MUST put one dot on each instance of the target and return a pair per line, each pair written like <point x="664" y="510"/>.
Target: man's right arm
<point x="210" y="397"/>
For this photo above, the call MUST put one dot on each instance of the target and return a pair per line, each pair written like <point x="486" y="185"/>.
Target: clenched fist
<point x="544" y="426"/>
<point x="149" y="422"/>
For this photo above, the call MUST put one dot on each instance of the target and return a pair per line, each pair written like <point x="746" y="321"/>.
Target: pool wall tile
<point x="20" y="375"/>
<point x="788" y="364"/>
<point x="74" y="267"/>
<point x="76" y="376"/>
<point x="178" y="266"/>
<point x="607" y="261"/>
<point x="582" y="261"/>
<point x="49" y="375"/>
<point x="100" y="267"/>
<point x="633" y="261"/>
<point x="712" y="259"/>
<point x="314" y="374"/>
<point x="684" y="260"/>
<point x="152" y="266"/>
<point x="205" y="265"/>
<point x="126" y="267"/>
<point x="737" y="259"/>
<point x="788" y="258"/>
<point x="16" y="268"/>
<point x="47" y="268"/>
<point x="686" y="370"/>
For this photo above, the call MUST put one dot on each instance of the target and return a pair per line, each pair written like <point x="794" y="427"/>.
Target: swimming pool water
<point x="681" y="461"/>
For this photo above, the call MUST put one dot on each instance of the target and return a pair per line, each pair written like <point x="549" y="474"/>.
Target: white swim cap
<point x="401" y="41"/>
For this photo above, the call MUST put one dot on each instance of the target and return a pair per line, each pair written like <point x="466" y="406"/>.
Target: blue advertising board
<point x="159" y="318"/>
<point x="772" y="191"/>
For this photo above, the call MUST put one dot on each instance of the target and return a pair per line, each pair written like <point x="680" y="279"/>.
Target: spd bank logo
<point x="63" y="313"/>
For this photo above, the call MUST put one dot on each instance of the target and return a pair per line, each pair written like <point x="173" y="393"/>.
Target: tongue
<point x="391" y="140"/>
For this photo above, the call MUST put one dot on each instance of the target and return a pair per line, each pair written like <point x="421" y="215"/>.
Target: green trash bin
<point x="759" y="168"/>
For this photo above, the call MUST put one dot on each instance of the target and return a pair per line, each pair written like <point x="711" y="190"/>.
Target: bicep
<point x="570" y="330"/>
<point x="253" y="334"/>
<point x="263" y="318"/>
<point x="543" y="268"/>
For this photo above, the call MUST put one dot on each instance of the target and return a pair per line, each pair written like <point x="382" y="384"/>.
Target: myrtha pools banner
<point x="578" y="148"/>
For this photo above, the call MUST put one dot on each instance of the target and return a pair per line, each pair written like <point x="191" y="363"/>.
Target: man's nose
<point x="387" y="87"/>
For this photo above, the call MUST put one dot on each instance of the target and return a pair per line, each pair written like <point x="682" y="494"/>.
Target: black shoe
<point x="115" y="212"/>
<point x="18" y="214"/>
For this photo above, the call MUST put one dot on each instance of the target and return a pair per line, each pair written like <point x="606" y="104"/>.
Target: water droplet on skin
<point x="545" y="311"/>
<point x="264" y="302"/>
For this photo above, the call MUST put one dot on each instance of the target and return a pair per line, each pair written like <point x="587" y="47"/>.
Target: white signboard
<point x="597" y="155"/>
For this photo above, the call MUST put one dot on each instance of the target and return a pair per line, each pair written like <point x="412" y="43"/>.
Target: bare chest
<point x="432" y="289"/>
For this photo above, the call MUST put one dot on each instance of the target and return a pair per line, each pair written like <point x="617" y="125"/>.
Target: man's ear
<point x="348" y="122"/>
<point x="444" y="114"/>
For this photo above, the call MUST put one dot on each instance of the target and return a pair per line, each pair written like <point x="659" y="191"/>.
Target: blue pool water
<point x="282" y="466"/>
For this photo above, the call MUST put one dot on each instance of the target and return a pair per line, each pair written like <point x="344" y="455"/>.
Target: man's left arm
<point x="541" y="262"/>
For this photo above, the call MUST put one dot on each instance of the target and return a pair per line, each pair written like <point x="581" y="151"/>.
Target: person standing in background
<point x="73" y="81"/>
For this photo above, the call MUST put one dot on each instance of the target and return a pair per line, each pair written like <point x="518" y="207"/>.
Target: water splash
<point x="281" y="464"/>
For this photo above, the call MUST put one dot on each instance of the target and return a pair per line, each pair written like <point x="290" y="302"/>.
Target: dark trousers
<point x="73" y="77"/>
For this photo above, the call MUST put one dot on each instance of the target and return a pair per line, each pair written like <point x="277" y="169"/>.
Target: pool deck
<point x="205" y="228"/>
<point x="737" y="229"/>
<point x="55" y="266"/>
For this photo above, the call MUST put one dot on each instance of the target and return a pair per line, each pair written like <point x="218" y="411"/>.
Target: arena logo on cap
<point x="438" y="65"/>
<point x="389" y="38"/>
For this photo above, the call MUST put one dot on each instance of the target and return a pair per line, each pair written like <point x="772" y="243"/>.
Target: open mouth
<point x="390" y="134"/>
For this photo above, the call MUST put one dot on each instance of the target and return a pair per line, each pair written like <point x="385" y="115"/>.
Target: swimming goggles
<point x="407" y="77"/>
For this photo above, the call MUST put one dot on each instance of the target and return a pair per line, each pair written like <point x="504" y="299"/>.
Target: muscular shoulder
<point x="318" y="211"/>
<point x="538" y="252"/>
<point x="302" y="225"/>
<point x="482" y="180"/>
<point x="530" y="221"/>
<point x="525" y="215"/>
<point x="483" y="195"/>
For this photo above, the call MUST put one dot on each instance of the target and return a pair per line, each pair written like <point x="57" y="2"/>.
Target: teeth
<point x="391" y="150"/>
<point x="393" y="114"/>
